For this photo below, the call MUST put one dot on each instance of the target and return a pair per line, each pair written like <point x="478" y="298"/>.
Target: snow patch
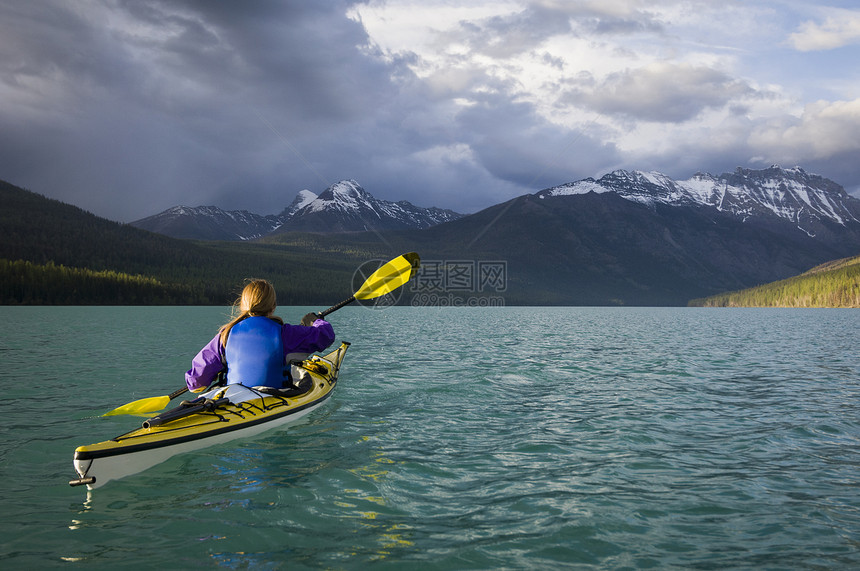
<point x="581" y="187"/>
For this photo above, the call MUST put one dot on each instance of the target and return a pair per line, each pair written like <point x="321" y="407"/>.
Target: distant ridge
<point x="343" y="207"/>
<point x="808" y="201"/>
<point x="209" y="223"/>
<point x="813" y="204"/>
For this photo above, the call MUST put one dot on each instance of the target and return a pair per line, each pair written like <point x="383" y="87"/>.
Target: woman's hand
<point x="309" y="319"/>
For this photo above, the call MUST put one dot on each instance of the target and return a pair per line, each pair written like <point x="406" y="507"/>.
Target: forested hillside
<point x="833" y="284"/>
<point x="54" y="253"/>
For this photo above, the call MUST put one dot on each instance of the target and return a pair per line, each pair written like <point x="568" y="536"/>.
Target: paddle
<point x="147" y="405"/>
<point x="386" y="279"/>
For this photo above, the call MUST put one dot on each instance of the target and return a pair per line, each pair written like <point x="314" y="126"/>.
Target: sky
<point x="126" y="108"/>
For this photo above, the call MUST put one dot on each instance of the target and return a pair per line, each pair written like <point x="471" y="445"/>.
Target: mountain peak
<point x="348" y="188"/>
<point x="302" y="199"/>
<point x="346" y="207"/>
<point x="343" y="195"/>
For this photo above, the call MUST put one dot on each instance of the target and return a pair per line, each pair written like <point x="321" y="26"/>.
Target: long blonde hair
<point x="257" y="299"/>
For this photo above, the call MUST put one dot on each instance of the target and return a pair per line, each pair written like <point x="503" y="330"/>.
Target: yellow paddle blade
<point x="389" y="277"/>
<point x="141" y="406"/>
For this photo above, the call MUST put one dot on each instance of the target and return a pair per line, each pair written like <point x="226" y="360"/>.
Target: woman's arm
<point x="302" y="339"/>
<point x="205" y="366"/>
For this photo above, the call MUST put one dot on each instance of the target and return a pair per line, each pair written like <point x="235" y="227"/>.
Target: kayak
<point x="219" y="415"/>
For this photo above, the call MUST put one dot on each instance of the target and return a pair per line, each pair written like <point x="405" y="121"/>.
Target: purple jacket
<point x="296" y="338"/>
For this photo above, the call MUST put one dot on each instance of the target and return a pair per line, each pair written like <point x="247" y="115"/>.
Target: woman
<point x="252" y="348"/>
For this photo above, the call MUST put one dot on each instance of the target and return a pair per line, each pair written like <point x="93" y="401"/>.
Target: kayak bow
<point x="219" y="415"/>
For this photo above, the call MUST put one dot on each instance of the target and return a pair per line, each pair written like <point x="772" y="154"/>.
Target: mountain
<point x="811" y="202"/>
<point x="347" y="207"/>
<point x="209" y="223"/>
<point x="833" y="284"/>
<point x="637" y="238"/>
<point x="343" y="207"/>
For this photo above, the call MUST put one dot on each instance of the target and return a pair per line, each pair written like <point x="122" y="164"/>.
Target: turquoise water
<point x="458" y="438"/>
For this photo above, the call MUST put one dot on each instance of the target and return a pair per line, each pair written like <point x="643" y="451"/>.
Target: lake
<point x="457" y="438"/>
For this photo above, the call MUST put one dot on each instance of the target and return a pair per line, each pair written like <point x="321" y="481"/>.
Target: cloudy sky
<point x="126" y="108"/>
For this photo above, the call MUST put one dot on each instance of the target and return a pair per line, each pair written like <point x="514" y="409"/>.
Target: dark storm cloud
<point x="125" y="108"/>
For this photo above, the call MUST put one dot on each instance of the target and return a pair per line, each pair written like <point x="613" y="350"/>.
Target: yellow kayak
<point x="218" y="415"/>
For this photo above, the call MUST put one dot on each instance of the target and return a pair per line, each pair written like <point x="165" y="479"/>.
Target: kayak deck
<point x="219" y="415"/>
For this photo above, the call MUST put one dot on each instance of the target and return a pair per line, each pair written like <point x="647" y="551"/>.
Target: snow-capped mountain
<point x="347" y="207"/>
<point x="343" y="207"/>
<point x="806" y="200"/>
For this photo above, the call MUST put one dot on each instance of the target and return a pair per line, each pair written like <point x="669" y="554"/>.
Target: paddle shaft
<point x="334" y="308"/>
<point x="177" y="392"/>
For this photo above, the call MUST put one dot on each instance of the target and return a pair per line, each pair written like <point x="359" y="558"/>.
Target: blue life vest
<point x="255" y="353"/>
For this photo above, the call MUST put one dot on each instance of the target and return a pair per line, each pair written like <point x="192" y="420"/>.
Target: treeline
<point x="835" y="284"/>
<point x="23" y="282"/>
<point x="27" y="283"/>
